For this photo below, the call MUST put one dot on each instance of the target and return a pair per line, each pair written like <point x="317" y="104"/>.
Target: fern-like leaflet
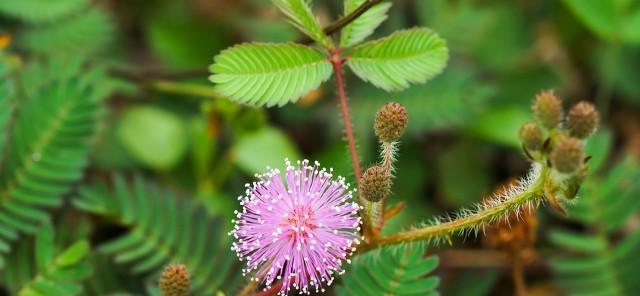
<point x="396" y="270"/>
<point x="605" y="257"/>
<point x="365" y="24"/>
<point x="269" y="74"/>
<point x="41" y="270"/>
<point x="58" y="112"/>
<point x="391" y="63"/>
<point x="162" y="229"/>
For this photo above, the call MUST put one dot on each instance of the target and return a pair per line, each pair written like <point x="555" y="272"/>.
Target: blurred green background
<point x="165" y="122"/>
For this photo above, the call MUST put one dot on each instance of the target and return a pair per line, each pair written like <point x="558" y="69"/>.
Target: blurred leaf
<point x="269" y="74"/>
<point x="184" y="43"/>
<point x="41" y="11"/>
<point x="61" y="105"/>
<point x="260" y="30"/>
<point x="155" y="137"/>
<point x="475" y="283"/>
<point x="599" y="148"/>
<point x="467" y="23"/>
<point x="392" y="270"/>
<point x="617" y="69"/>
<point x="603" y="256"/>
<point x="452" y="100"/>
<point x="391" y="63"/>
<point x="267" y="147"/>
<point x="364" y="25"/>
<point x="302" y="17"/>
<point x="501" y="125"/>
<point x="162" y="229"/>
<point x="84" y="33"/>
<point x="610" y="20"/>
<point x="463" y="174"/>
<point x="53" y="274"/>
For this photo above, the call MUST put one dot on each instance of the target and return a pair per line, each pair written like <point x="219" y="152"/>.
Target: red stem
<point x="336" y="61"/>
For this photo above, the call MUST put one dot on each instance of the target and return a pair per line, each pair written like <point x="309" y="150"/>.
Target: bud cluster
<point x="558" y="142"/>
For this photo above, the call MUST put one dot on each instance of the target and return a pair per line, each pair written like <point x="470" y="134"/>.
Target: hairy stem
<point x="444" y="230"/>
<point x="337" y="61"/>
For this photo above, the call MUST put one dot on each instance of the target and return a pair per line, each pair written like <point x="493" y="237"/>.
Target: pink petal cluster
<point x="298" y="230"/>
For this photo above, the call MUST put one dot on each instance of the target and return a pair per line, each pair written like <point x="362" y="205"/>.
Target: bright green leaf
<point x="153" y="136"/>
<point x="265" y="147"/>
<point x="302" y="17"/>
<point x="391" y="63"/>
<point x="73" y="254"/>
<point x="364" y="25"/>
<point x="45" y="248"/>
<point x="269" y="74"/>
<point x="39" y="11"/>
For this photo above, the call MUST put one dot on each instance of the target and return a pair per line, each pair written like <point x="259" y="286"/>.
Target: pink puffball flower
<point x="298" y="230"/>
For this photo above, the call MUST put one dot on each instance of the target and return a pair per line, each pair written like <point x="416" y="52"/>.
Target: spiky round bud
<point x="568" y="155"/>
<point x="174" y="280"/>
<point x="547" y="109"/>
<point x="582" y="120"/>
<point x="391" y="122"/>
<point x="374" y="184"/>
<point x="531" y="136"/>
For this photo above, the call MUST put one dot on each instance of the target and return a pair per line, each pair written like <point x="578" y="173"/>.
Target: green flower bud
<point x="174" y="280"/>
<point x="547" y="109"/>
<point x="391" y="122"/>
<point x="582" y="120"/>
<point x="374" y="184"/>
<point x="531" y="136"/>
<point x="567" y="156"/>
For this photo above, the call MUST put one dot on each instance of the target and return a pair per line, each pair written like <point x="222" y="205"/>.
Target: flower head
<point x="174" y="280"/>
<point x="298" y="230"/>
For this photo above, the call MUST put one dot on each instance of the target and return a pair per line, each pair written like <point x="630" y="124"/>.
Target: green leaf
<point x="268" y="146"/>
<point x="602" y="253"/>
<point x="153" y="136"/>
<point x="40" y="11"/>
<point x="365" y="24"/>
<point x="73" y="254"/>
<point x="60" y="109"/>
<point x="398" y="270"/>
<point x="302" y="18"/>
<point x="269" y="74"/>
<point x="162" y="229"/>
<point x="501" y="125"/>
<point x="610" y="20"/>
<point x="391" y="63"/>
<point x="85" y="33"/>
<point x="46" y="276"/>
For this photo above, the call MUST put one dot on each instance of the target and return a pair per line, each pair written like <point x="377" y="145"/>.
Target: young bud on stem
<point x="375" y="184"/>
<point x="391" y="122"/>
<point x="531" y="136"/>
<point x="568" y="155"/>
<point x="582" y="120"/>
<point x="174" y="280"/>
<point x="547" y="109"/>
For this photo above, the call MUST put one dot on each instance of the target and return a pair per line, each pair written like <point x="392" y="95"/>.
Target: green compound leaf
<point x="40" y="269"/>
<point x="83" y="33"/>
<point x="49" y="142"/>
<point x="269" y="74"/>
<point x="162" y="229"/>
<point x="398" y="270"/>
<point x="612" y="21"/>
<point x="604" y="256"/>
<point x="299" y="11"/>
<point x="410" y="56"/>
<point x="365" y="24"/>
<point x="39" y="11"/>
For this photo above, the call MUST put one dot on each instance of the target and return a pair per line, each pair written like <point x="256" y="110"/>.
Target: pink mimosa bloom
<point x="298" y="230"/>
